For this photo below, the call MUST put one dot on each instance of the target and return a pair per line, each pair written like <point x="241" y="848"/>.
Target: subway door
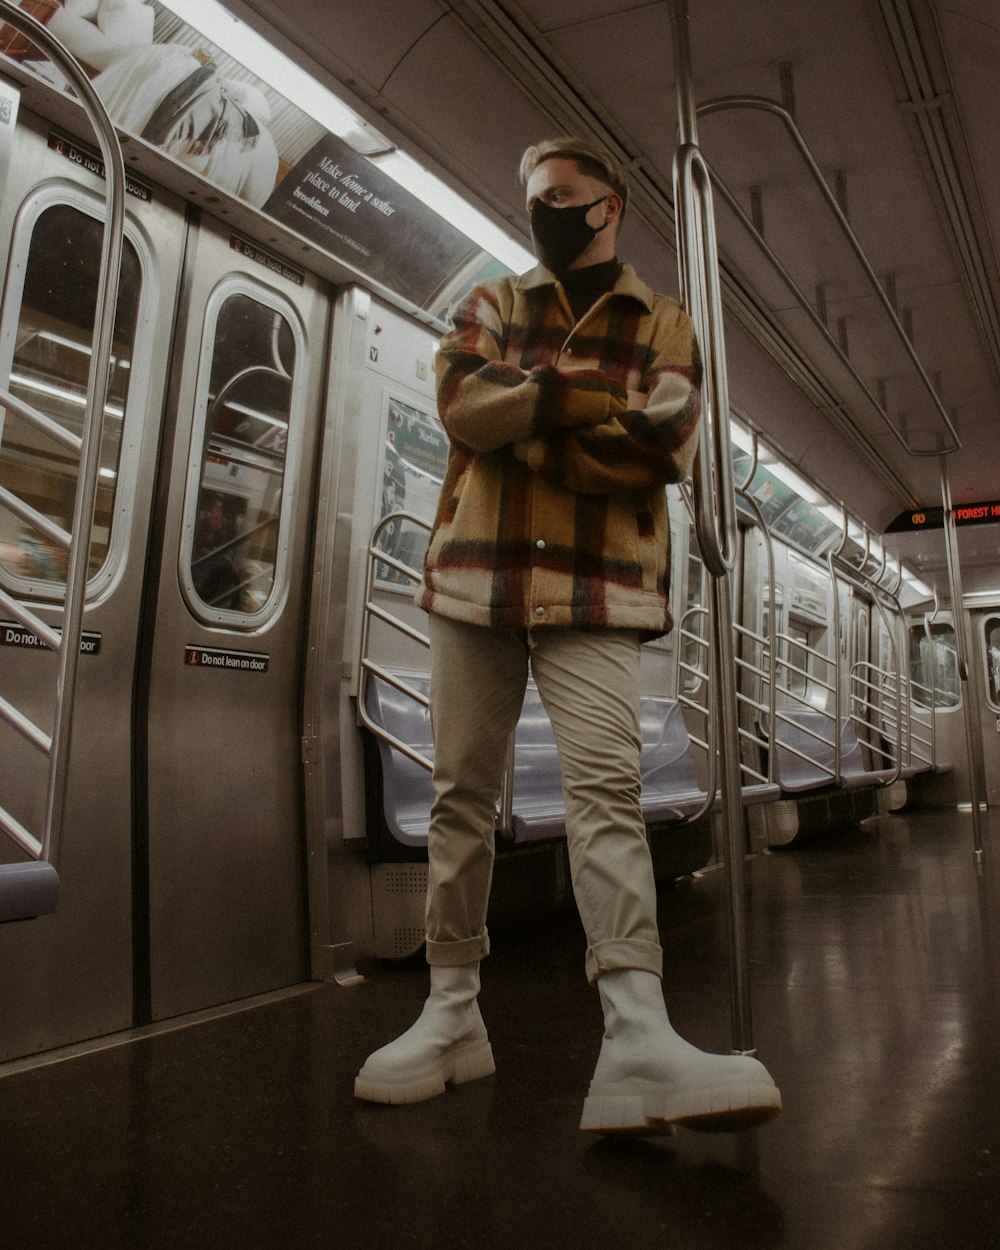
<point x="224" y="835"/>
<point x="68" y="977"/>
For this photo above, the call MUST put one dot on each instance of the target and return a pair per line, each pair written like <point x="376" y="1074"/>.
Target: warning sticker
<point x="238" y="661"/>
<point x="14" y="635"/>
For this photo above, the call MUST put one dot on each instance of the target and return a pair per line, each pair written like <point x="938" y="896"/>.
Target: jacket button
<point x="539" y="611"/>
<point x="540" y="544"/>
<point x="569" y="351"/>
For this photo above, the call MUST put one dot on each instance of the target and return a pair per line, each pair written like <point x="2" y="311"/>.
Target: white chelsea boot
<point x="446" y="1045"/>
<point x="648" y="1078"/>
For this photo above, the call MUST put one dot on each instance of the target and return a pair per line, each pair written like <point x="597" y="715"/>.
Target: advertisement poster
<point x="349" y="207"/>
<point x="167" y="85"/>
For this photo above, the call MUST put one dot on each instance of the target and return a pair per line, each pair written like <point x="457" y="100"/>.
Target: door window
<point x="233" y="559"/>
<point x="796" y="645"/>
<point x="934" y="666"/>
<point x="48" y="327"/>
<point x="991" y="653"/>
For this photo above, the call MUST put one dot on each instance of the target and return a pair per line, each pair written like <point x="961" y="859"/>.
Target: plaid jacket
<point x="553" y="509"/>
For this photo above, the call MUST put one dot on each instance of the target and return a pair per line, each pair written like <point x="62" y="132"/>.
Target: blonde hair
<point x="592" y="161"/>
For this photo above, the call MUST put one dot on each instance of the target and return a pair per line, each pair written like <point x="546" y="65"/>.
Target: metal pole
<point x="972" y="744"/>
<point x="715" y="501"/>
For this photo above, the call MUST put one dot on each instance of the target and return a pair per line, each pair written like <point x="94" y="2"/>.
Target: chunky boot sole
<point x="643" y="1108"/>
<point x="468" y="1061"/>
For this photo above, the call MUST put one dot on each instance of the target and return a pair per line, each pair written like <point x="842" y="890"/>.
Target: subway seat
<point x="27" y="891"/>
<point x="805" y="757"/>
<point x="670" y="789"/>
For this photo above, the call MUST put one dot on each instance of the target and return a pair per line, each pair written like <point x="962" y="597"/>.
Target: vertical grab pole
<point x="715" y="499"/>
<point x="972" y="743"/>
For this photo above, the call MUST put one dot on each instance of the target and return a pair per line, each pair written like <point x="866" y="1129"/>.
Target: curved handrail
<point x="744" y="486"/>
<point x="763" y="104"/>
<point x="715" y="513"/>
<point x="97" y="386"/>
<point x="772" y="608"/>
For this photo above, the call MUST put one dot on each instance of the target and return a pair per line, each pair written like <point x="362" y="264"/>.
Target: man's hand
<point x="636" y="400"/>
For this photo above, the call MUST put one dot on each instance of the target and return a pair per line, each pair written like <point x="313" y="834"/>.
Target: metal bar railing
<point x="30" y="620"/>
<point x="373" y="611"/>
<point x="762" y="104"/>
<point x="67" y="639"/>
<point x="921" y="723"/>
<point x="44" y="423"/>
<point x="705" y="678"/>
<point x="775" y="715"/>
<point x="929" y="619"/>
<point x="37" y="520"/>
<point x="772" y="601"/>
<point x="837" y="562"/>
<point x="368" y="667"/>
<point x="875" y="701"/>
<point x="707" y="745"/>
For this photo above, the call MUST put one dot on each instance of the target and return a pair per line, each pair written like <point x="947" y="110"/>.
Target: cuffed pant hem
<point x="454" y="954"/>
<point x="619" y="953"/>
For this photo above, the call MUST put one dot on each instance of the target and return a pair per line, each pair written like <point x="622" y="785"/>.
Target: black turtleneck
<point x="585" y="286"/>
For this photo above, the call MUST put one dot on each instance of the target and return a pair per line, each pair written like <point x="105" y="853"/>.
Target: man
<point x="570" y="397"/>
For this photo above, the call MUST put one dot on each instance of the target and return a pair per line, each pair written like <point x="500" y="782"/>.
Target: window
<point x="795" y="645"/>
<point x="233" y="560"/>
<point x="991" y="650"/>
<point x="934" y="666"/>
<point x="48" y="329"/>
<point x="413" y="468"/>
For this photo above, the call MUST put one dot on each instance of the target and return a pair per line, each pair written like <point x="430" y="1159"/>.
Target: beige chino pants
<point x="589" y="686"/>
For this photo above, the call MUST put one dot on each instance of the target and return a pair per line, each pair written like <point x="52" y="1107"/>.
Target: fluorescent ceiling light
<point x="798" y="484"/>
<point x="836" y="515"/>
<point x="916" y="585"/>
<point x="276" y="70"/>
<point x="453" y="208"/>
<point x="271" y="66"/>
<point x="741" y="437"/>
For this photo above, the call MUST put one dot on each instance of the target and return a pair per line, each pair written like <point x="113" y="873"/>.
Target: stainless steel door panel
<point x="225" y="838"/>
<point x="986" y="678"/>
<point x="68" y="977"/>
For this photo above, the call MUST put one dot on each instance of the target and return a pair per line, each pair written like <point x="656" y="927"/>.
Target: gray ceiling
<point x="896" y="99"/>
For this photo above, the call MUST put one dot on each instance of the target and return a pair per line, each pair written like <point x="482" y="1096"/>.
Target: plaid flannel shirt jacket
<point x="553" y="508"/>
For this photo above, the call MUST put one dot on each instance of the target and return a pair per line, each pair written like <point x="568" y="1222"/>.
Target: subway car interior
<point x="233" y="233"/>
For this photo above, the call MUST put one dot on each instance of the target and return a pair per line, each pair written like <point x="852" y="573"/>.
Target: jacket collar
<point x="628" y="284"/>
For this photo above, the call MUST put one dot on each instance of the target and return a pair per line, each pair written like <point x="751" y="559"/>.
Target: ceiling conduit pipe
<point x="762" y="104"/>
<point x="715" y="501"/>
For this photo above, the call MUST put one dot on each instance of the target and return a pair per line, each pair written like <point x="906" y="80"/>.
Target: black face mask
<point x="561" y="235"/>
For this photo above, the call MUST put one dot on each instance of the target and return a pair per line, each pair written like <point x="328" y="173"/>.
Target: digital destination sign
<point x="933" y="518"/>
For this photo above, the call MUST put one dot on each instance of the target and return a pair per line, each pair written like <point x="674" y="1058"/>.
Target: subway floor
<point x="875" y="968"/>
